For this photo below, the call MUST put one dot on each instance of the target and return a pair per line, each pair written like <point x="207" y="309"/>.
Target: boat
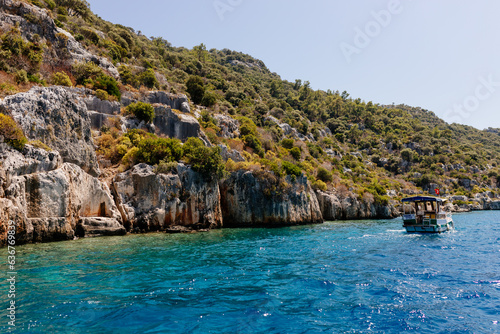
<point x="425" y="214"/>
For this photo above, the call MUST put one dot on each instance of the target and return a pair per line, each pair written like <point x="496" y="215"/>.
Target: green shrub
<point x="36" y="79"/>
<point x="295" y="152"/>
<point x="85" y="70"/>
<point x="130" y="158"/>
<point x="50" y="4"/>
<point x="324" y="175"/>
<point x="319" y="185"/>
<point x="195" y="88"/>
<point x="291" y="169"/>
<point x="143" y="111"/>
<point x="253" y="142"/>
<point x="91" y="35"/>
<point x="109" y="84"/>
<point x="126" y="75"/>
<point x="287" y="143"/>
<point x="205" y="160"/>
<point x="62" y="79"/>
<point x="101" y="94"/>
<point x="11" y="133"/>
<point x="21" y="77"/>
<point x="148" y="78"/>
<point x="154" y="150"/>
<point x="209" y="99"/>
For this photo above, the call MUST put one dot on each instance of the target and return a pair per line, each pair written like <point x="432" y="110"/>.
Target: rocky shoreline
<point x="62" y="193"/>
<point x="65" y="193"/>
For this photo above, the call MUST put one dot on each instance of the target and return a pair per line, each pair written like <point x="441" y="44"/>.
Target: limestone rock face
<point x="229" y="127"/>
<point x="57" y="117"/>
<point x="330" y="205"/>
<point x="227" y="154"/>
<point x="51" y="201"/>
<point x="172" y="116"/>
<point x="31" y="161"/>
<point x="104" y="107"/>
<point x="174" y="101"/>
<point x="248" y="200"/>
<point x="154" y="202"/>
<point x="494" y="205"/>
<point x="351" y="208"/>
<point x="174" y="125"/>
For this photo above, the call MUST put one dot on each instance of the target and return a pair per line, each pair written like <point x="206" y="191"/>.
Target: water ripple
<point x="338" y="277"/>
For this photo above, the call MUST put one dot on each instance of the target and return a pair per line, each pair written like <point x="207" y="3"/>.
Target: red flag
<point x="437" y="191"/>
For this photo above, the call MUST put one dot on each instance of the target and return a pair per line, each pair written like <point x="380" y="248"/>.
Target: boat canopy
<point x="423" y="199"/>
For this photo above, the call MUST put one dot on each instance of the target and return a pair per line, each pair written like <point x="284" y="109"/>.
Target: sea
<point x="366" y="276"/>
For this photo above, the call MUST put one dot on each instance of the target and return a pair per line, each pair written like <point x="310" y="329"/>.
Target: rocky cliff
<point x="261" y="200"/>
<point x="50" y="200"/>
<point x="57" y="195"/>
<point x="350" y="207"/>
<point x="157" y="202"/>
<point x="57" y="117"/>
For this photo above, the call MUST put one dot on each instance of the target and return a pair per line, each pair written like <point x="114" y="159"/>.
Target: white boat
<point x="425" y="214"/>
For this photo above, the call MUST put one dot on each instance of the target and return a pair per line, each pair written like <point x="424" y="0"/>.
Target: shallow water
<point x="337" y="277"/>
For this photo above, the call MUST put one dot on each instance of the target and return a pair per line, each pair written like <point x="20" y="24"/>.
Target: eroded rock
<point x="249" y="200"/>
<point x="155" y="202"/>
<point x="57" y="117"/>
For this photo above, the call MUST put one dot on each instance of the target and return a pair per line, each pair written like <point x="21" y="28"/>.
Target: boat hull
<point x="431" y="228"/>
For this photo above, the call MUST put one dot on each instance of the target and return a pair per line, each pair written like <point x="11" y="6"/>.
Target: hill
<point x="272" y="127"/>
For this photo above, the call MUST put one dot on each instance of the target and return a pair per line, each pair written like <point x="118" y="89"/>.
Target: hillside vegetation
<point x="341" y="143"/>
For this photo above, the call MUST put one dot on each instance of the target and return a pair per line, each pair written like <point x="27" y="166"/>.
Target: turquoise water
<point x="338" y="277"/>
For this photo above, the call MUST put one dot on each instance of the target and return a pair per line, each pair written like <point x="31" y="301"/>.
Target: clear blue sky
<point x="440" y="55"/>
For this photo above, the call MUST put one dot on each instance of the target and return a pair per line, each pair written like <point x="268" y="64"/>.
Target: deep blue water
<point x="338" y="277"/>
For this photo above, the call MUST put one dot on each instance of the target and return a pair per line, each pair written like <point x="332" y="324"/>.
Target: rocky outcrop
<point x="229" y="127"/>
<point x="102" y="106"/>
<point x="175" y="125"/>
<point x="57" y="117"/>
<point x="50" y="200"/>
<point x="173" y="101"/>
<point x="261" y="200"/>
<point x="227" y="154"/>
<point x="156" y="202"/>
<point x="350" y="208"/>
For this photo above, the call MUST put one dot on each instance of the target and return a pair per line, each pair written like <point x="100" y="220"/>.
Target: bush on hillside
<point x="11" y="133"/>
<point x="143" y="111"/>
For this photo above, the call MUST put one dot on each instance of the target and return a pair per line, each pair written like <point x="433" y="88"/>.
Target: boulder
<point x="262" y="200"/>
<point x="155" y="202"/>
<point x="57" y="117"/>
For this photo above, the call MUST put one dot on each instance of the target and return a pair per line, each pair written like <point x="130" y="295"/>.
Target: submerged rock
<point x="249" y="200"/>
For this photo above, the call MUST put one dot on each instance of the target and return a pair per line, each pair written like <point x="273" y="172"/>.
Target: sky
<point x="443" y="56"/>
